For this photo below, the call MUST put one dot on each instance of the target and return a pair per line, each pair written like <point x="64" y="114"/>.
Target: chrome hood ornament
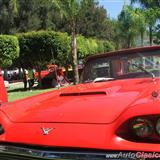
<point x="46" y="130"/>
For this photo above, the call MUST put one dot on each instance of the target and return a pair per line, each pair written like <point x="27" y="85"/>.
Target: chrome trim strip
<point x="49" y="155"/>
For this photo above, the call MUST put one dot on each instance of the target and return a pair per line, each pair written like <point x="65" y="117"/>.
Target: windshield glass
<point x="135" y="65"/>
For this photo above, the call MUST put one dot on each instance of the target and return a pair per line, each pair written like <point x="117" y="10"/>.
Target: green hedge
<point x="89" y="46"/>
<point x="9" y="50"/>
<point x="43" y="47"/>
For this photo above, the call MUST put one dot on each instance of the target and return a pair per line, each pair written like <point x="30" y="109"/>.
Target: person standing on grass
<point x="30" y="78"/>
<point x="62" y="79"/>
<point x="25" y="78"/>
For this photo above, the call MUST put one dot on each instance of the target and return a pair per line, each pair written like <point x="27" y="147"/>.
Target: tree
<point x="84" y="17"/>
<point x="148" y="3"/>
<point x="93" y="21"/>
<point x="157" y="34"/>
<point x="27" y="19"/>
<point x="70" y="9"/>
<point x="32" y="15"/>
<point x="141" y="23"/>
<point x="130" y="24"/>
<point x="90" y="46"/>
<point x="152" y="12"/>
<point x="47" y="47"/>
<point x="151" y="16"/>
<point x="8" y="13"/>
<point x="44" y="10"/>
<point x="25" y="15"/>
<point x="9" y="50"/>
<point x="42" y="48"/>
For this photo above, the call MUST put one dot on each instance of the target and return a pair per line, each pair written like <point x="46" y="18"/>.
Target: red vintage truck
<point x="114" y="113"/>
<point x="3" y="91"/>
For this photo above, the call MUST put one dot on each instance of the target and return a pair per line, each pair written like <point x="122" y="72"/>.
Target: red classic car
<point x="113" y="113"/>
<point x="3" y="91"/>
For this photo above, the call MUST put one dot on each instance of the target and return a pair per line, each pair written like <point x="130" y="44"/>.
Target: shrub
<point x="9" y="50"/>
<point x="46" y="47"/>
<point x="43" y="47"/>
<point x="90" y="46"/>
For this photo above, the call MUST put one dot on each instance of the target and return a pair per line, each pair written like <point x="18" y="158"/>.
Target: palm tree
<point x="70" y="10"/>
<point x="141" y="23"/>
<point x="147" y="3"/>
<point x="152" y="13"/>
<point x="130" y="25"/>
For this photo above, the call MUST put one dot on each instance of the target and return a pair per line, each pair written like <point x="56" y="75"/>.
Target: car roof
<point x="124" y="51"/>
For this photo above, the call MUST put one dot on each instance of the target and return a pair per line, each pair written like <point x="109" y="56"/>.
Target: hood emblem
<point x="46" y="130"/>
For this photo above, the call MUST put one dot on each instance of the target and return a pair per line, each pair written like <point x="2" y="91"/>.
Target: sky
<point x="113" y="7"/>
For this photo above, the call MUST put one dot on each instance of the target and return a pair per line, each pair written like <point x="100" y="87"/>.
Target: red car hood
<point x="85" y="103"/>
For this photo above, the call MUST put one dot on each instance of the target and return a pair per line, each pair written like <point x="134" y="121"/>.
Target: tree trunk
<point x="74" y="54"/>
<point x="150" y="35"/>
<point x="5" y="75"/>
<point x="142" y="39"/>
<point x="39" y="78"/>
<point x="20" y="73"/>
<point x="129" y="42"/>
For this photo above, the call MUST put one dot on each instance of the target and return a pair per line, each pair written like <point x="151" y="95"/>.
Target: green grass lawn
<point x="17" y="92"/>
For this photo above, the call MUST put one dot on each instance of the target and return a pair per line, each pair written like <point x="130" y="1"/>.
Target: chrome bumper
<point x="13" y="152"/>
<point x="22" y="153"/>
